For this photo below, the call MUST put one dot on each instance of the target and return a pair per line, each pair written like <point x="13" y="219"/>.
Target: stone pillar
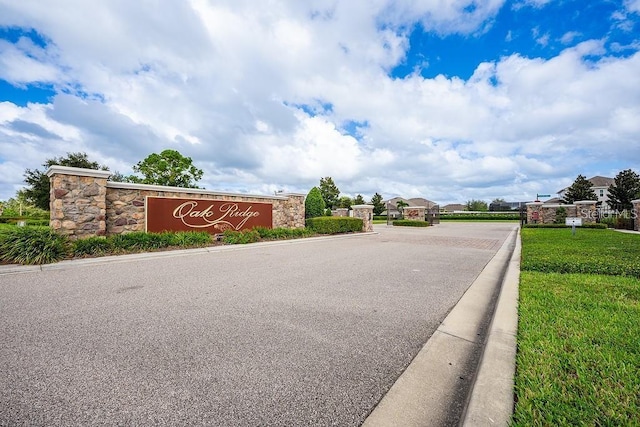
<point x="635" y="214"/>
<point x="365" y="213"/>
<point x="78" y="201"/>
<point x="534" y="213"/>
<point x="586" y="209"/>
<point x="414" y="213"/>
<point x="294" y="210"/>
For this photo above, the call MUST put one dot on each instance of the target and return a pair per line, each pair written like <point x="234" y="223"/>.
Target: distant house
<point x="453" y="207"/>
<point x="415" y="201"/>
<point x="600" y="185"/>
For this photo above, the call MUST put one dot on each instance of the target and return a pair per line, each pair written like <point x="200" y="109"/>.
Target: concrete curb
<point x="72" y="263"/>
<point x="491" y="401"/>
<point x="434" y="388"/>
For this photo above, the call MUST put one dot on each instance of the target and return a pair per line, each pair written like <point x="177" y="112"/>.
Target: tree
<point x="344" y="202"/>
<point x="378" y="204"/>
<point x="359" y="200"/>
<point x="38" y="183"/>
<point x="400" y="205"/>
<point x="314" y="204"/>
<point x="580" y="190"/>
<point x="476" y="205"/>
<point x="329" y="192"/>
<point x="625" y="188"/>
<point x="168" y="168"/>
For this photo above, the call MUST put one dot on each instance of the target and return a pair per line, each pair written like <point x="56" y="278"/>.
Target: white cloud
<point x="233" y="84"/>
<point x="632" y="5"/>
<point x="569" y="37"/>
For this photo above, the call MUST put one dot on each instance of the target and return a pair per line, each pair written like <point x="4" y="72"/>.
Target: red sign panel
<point x="213" y="216"/>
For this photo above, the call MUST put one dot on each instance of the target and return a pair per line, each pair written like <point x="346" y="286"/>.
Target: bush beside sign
<point x="213" y="216"/>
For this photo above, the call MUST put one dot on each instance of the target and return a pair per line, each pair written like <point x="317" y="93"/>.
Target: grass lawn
<point x="590" y="251"/>
<point x="578" y="359"/>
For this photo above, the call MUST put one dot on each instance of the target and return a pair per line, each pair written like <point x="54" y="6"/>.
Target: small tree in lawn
<point x="580" y="190"/>
<point x="314" y="204"/>
<point x="625" y="188"/>
<point x="378" y="204"/>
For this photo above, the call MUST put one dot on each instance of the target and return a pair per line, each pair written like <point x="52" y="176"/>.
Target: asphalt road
<point x="311" y="332"/>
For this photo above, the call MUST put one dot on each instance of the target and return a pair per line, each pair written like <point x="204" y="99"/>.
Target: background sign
<point x="573" y="221"/>
<point x="213" y="216"/>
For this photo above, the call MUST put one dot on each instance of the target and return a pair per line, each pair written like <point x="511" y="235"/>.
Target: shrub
<point x="188" y="238"/>
<point x="410" y="223"/>
<point x="282" y="233"/>
<point x="334" y="224"/>
<point x="232" y="237"/>
<point x="32" y="245"/>
<point x="314" y="204"/>
<point x="561" y="215"/>
<point x="609" y="221"/>
<point x="92" y="246"/>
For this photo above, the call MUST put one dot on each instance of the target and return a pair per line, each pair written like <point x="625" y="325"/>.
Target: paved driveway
<point x="312" y="332"/>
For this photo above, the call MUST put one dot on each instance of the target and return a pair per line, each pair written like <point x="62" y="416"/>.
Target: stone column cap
<point x="361" y="206"/>
<point x="635" y="201"/>
<point x="68" y="170"/>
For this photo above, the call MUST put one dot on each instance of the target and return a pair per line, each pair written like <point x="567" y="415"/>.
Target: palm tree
<point x="400" y="205"/>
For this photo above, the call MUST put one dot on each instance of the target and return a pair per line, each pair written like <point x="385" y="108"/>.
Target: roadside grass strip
<point x="578" y="360"/>
<point x="591" y="251"/>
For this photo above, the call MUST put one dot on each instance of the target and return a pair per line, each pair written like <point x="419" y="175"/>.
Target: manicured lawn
<point x="578" y="359"/>
<point x="590" y="251"/>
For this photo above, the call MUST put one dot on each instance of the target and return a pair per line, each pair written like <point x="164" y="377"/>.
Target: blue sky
<point x="450" y="101"/>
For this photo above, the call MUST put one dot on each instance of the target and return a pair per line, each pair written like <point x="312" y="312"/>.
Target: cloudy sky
<point x="445" y="99"/>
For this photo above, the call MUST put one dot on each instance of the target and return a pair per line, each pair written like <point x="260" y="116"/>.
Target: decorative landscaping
<point x="578" y="346"/>
<point x="40" y="245"/>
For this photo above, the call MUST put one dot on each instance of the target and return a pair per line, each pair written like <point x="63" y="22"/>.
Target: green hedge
<point x="410" y="223"/>
<point x="585" y="225"/>
<point x="232" y="237"/>
<point x="40" y="222"/>
<point x="334" y="224"/>
<point x="482" y="216"/>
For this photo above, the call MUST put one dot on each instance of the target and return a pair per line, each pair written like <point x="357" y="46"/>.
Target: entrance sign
<point x="213" y="216"/>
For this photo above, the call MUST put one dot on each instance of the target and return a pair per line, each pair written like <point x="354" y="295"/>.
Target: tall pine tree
<point x="580" y="190"/>
<point x="625" y="188"/>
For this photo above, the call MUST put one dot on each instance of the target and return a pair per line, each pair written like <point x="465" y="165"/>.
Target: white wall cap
<point x="148" y="187"/>
<point x="535" y="203"/>
<point x="586" y="202"/>
<point x="68" y="170"/>
<point x="361" y="206"/>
